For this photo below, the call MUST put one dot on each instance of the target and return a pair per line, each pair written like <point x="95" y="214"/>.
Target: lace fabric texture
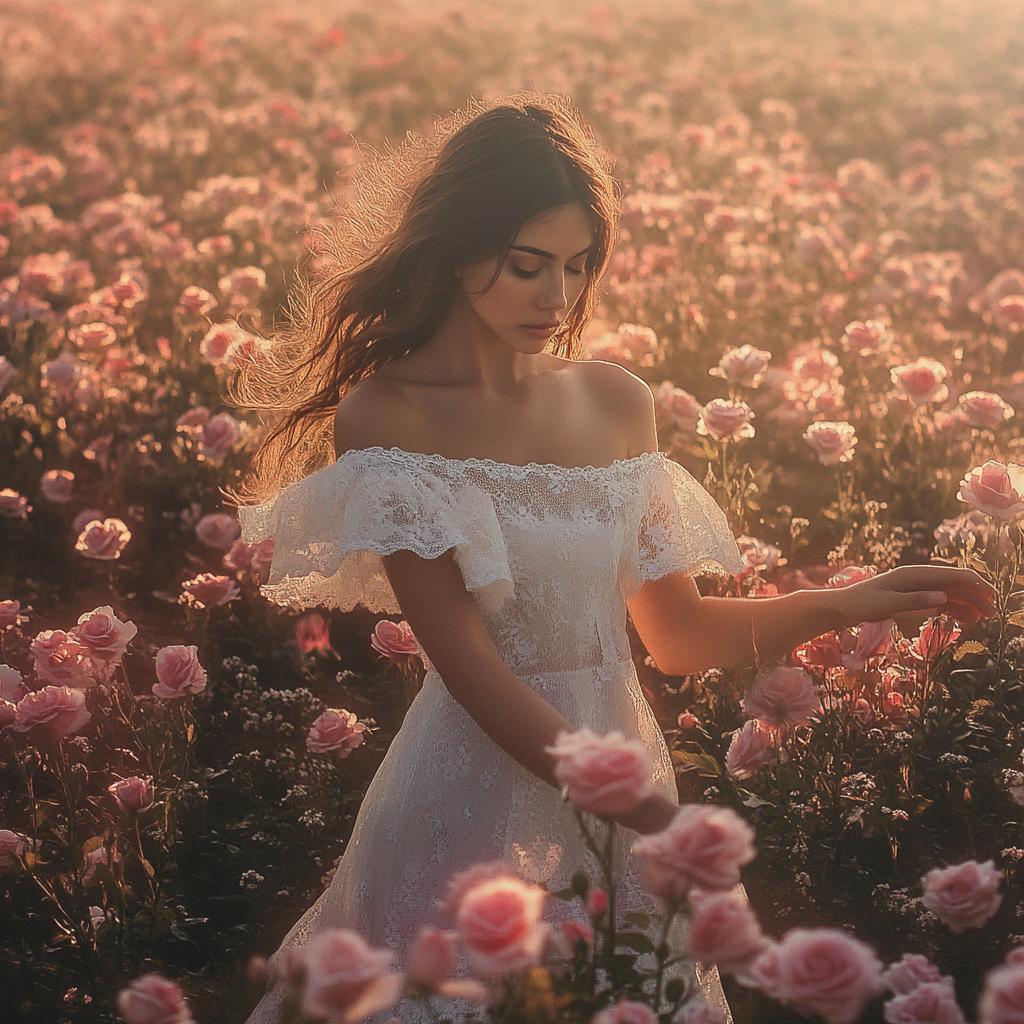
<point x="551" y="555"/>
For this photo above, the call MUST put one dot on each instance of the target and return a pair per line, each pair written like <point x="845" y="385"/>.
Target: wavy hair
<point x="383" y="278"/>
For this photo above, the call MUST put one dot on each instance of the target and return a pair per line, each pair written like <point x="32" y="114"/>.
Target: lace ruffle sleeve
<point x="682" y="529"/>
<point x="331" y="529"/>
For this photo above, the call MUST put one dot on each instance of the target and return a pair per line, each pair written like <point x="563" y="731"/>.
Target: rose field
<point x="820" y="273"/>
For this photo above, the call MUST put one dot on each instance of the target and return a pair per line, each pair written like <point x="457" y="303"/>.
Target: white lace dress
<point x="551" y="555"/>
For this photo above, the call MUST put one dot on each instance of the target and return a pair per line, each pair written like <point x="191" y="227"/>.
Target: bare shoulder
<point x="623" y="395"/>
<point x="369" y="415"/>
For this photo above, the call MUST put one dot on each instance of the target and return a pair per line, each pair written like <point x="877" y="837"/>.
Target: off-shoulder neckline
<point x="472" y="461"/>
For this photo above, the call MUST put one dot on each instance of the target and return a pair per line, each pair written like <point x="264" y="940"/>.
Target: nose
<point x="552" y="297"/>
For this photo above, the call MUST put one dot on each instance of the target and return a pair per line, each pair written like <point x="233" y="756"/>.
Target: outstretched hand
<point x="926" y="589"/>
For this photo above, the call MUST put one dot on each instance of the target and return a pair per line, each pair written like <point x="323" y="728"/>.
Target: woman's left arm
<point x="686" y="633"/>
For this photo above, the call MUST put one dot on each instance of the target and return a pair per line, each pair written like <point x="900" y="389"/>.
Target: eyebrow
<point x="547" y="255"/>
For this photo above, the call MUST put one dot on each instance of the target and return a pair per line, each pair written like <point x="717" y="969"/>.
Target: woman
<point x="510" y="502"/>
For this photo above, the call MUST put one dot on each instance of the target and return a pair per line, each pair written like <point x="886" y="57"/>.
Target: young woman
<point x="509" y="501"/>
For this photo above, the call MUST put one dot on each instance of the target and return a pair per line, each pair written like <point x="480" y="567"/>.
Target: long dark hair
<point x="384" y="277"/>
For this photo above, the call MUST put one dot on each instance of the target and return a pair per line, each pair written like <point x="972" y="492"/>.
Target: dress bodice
<point x="550" y="553"/>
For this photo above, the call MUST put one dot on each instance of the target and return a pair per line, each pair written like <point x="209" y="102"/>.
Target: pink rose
<point x="1010" y="311"/>
<point x="192" y="418"/>
<point x="936" y="636"/>
<point x="12" y="685"/>
<point x="85" y="517"/>
<point x="208" y="590"/>
<point x="687" y="720"/>
<point x="873" y="639"/>
<point x="908" y="972"/>
<point x="751" y="748"/>
<point x="196" y="302"/>
<point x="758" y="555"/>
<point x="676" y="408"/>
<point x="102" y="857"/>
<point x="13" y="505"/>
<point x="345" y="979"/>
<point x="921" y="381"/>
<point x="499" y="924"/>
<point x="866" y="336"/>
<point x="462" y="882"/>
<point x="995" y="489"/>
<point x="820" y="971"/>
<point x="11" y="614"/>
<point x="744" y="366"/>
<point x="703" y="846"/>
<point x="61" y="659"/>
<point x="625" y="1011"/>
<point x="219" y="435"/>
<point x="1002" y="998"/>
<point x="262" y="559"/>
<point x="984" y="410"/>
<point x="93" y="336"/>
<point x="152" y="999"/>
<point x="597" y="903"/>
<point x="56" y="485"/>
<point x="104" y="635"/>
<point x="218" y="340"/>
<point x="724" y="931"/>
<point x="832" y="442"/>
<point x="432" y="961"/>
<point x="61" y="373"/>
<point x="606" y="775"/>
<point x="701" y="1013"/>
<point x="785" y="696"/>
<point x="133" y="794"/>
<point x="928" y="1003"/>
<point x="852" y="574"/>
<point x="726" y="420"/>
<point x="57" y="710"/>
<point x="103" y="540"/>
<point x="12" y="846"/>
<point x="569" y="933"/>
<point x="312" y="633"/>
<point x="964" y="895"/>
<point x="218" y="530"/>
<point x="238" y="556"/>
<point x="393" y="639"/>
<point x="336" y="729"/>
<point x="178" y="672"/>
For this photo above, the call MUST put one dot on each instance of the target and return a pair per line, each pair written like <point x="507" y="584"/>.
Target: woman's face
<point x="541" y="280"/>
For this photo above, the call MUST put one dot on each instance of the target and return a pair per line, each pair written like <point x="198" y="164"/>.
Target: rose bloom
<point x="936" y="635"/>
<point x="208" y="589"/>
<point x="984" y="410"/>
<point x="56" y="710"/>
<point x="103" y="540"/>
<point x="93" y="336"/>
<point x="178" y="672"/>
<point x="195" y="301"/>
<point x="85" y="517"/>
<point x="432" y="961"/>
<point x="994" y="489"/>
<point x="758" y="555"/>
<point x="606" y="775"/>
<point x="153" y="999"/>
<point x="785" y="696"/>
<point x="462" y="882"/>
<point x="676" y="408"/>
<point x="219" y="435"/>
<point x="132" y="794"/>
<point x="336" y="729"/>
<point x="12" y="685"/>
<point x="11" y="614"/>
<point x="104" y="635"/>
<point x="1002" y="998"/>
<point x="726" y="420"/>
<point x="262" y="558"/>
<point x="744" y="366"/>
<point x="911" y="970"/>
<point x="218" y="340"/>
<point x="832" y="442"/>
<point x="13" y="505"/>
<point x="499" y="925"/>
<point x="703" y="846"/>
<point x="820" y="971"/>
<point x="865" y="336"/>
<point x="964" y="895"/>
<point x="345" y="979"/>
<point x="12" y="846"/>
<point x="101" y="857"/>
<point x="873" y="639"/>
<point x="723" y="930"/>
<point x="218" y="530"/>
<point x="701" y="1013"/>
<point x="61" y="659"/>
<point x="921" y="381"/>
<point x="928" y="1003"/>
<point x="56" y="485"/>
<point x="192" y="418"/>
<point x="751" y="748"/>
<point x="393" y="639"/>
<point x="312" y="634"/>
<point x="626" y="1011"/>
<point x="238" y="556"/>
<point x="852" y="574"/>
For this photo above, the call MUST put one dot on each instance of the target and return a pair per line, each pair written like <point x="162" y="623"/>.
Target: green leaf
<point x="563" y="894"/>
<point x="148" y="867"/>
<point x="968" y="647"/>
<point x="636" y="941"/>
<point x="703" y="764"/>
<point x="1016" y="619"/>
<point x="92" y="844"/>
<point x="641" y="920"/>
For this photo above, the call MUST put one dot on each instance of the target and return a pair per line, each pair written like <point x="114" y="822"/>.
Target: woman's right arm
<point x="445" y="619"/>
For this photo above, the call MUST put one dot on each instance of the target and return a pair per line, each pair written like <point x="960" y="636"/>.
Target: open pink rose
<point x="104" y="635"/>
<point x="724" y="931"/>
<point x="625" y="1011"/>
<point x="921" y="381"/>
<point x="820" y="971"/>
<point x="345" y="979"/>
<point x="703" y="846"/>
<point x="12" y="685"/>
<point x="208" y="589"/>
<point x="57" y="485"/>
<point x="964" y="895"/>
<point x="928" y="1003"/>
<point x="752" y="746"/>
<point x="432" y="961"/>
<point x="61" y="659"/>
<point x="312" y="633"/>
<point x="726" y="420"/>
<point x="11" y="614"/>
<point x="103" y="857"/>
<point x="218" y="530"/>
<point x="995" y="489"/>
<point x="832" y="442"/>
<point x="85" y="517"/>
<point x="103" y="540"/>
<point x="499" y="924"/>
<point x="238" y="556"/>
<point x="12" y="846"/>
<point x="1002" y="998"/>
<point x="744" y="366"/>
<point x="873" y="639"/>
<point x="192" y="419"/>
<point x="911" y="970"/>
<point x="178" y="672"/>
<point x="336" y="729"/>
<point x="393" y="639"/>
<point x="218" y="436"/>
<point x="132" y="794"/>
<point x="675" y="408"/>
<point x="935" y="636"/>
<point x="785" y="696"/>
<point x="866" y="336"/>
<point x="262" y="559"/>
<point x="153" y="999"/>
<point x="463" y="881"/>
<point x="984" y="410"/>
<point x="13" y="505"/>
<point x="54" y="710"/>
<point x="606" y="775"/>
